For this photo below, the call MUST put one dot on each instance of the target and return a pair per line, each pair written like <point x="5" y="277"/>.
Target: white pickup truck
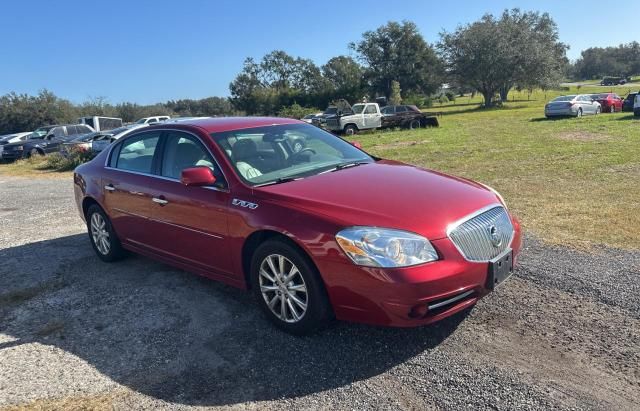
<point x="365" y="116"/>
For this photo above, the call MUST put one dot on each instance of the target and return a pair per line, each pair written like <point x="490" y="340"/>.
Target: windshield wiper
<point x="342" y="166"/>
<point x="279" y="181"/>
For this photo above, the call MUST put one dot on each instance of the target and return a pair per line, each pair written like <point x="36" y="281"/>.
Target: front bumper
<point x="401" y="297"/>
<point x="11" y="154"/>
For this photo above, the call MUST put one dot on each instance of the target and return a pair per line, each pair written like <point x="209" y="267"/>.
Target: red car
<point x="610" y="102"/>
<point x="327" y="231"/>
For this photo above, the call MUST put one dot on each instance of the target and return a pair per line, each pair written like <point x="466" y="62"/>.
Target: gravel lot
<point x="563" y="333"/>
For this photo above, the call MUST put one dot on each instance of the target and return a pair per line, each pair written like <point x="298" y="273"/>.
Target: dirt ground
<point x="562" y="333"/>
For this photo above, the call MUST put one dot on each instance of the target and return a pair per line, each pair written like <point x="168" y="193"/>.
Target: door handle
<point x="109" y="187"/>
<point x="160" y="200"/>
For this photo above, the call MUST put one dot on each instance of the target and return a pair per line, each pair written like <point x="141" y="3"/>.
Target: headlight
<point x="19" y="148"/>
<point x="504" y="203"/>
<point x="381" y="247"/>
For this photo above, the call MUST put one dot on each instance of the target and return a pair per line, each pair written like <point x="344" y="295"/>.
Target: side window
<point x="57" y="132"/>
<point x="152" y="120"/>
<point x="401" y="109"/>
<point x="370" y="109"/>
<point x="84" y="129"/>
<point x="387" y="110"/>
<point x="182" y="150"/>
<point x="72" y="130"/>
<point x="136" y="153"/>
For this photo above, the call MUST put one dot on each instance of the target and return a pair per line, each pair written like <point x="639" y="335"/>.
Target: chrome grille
<point x="483" y="236"/>
<point x="332" y="122"/>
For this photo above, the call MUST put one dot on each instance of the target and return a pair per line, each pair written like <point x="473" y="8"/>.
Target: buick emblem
<point x="494" y="235"/>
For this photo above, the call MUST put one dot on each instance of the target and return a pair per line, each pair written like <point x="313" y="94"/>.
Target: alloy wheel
<point x="100" y="234"/>
<point x="283" y="288"/>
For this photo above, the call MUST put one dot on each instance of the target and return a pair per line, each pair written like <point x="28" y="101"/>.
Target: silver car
<point x="575" y="105"/>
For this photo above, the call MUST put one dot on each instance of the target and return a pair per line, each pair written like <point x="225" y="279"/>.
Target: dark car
<point x="627" y="103"/>
<point x="84" y="142"/>
<point x="406" y="116"/>
<point x="326" y="232"/>
<point x="338" y="108"/>
<point x="613" y="81"/>
<point x="44" y="140"/>
<point x="609" y="102"/>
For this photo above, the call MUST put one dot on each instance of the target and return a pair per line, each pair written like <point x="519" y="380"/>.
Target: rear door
<point x="128" y="183"/>
<point x="193" y="220"/>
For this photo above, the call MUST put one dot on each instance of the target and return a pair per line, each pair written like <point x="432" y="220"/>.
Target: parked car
<point x="98" y="123"/>
<point x="365" y="116"/>
<point x="328" y="231"/>
<point x="336" y="109"/>
<point x="151" y="120"/>
<point x="406" y="116"/>
<point x="84" y="142"/>
<point x="636" y="106"/>
<point x="609" y="102"/>
<point x="309" y="117"/>
<point x="11" y="138"/>
<point x="574" y="105"/>
<point x="613" y="81"/>
<point x="43" y="141"/>
<point x="627" y="103"/>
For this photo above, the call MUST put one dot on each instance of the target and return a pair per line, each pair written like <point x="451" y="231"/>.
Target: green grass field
<point x="571" y="181"/>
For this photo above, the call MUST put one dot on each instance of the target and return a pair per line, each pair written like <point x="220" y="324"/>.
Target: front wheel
<point x="597" y="110"/>
<point x="104" y="240"/>
<point x="350" y="129"/>
<point x="34" y="153"/>
<point x="613" y="109"/>
<point x="288" y="288"/>
<point x="579" y="113"/>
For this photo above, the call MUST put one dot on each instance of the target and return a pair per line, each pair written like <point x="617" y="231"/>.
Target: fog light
<point x="418" y="311"/>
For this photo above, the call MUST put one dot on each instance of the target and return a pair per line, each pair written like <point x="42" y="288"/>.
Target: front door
<point x="193" y="220"/>
<point x="128" y="184"/>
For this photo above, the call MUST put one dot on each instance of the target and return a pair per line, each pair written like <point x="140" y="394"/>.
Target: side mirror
<point x="197" y="176"/>
<point x="356" y="144"/>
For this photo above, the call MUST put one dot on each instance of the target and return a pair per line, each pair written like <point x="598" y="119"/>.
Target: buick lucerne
<point x="324" y="232"/>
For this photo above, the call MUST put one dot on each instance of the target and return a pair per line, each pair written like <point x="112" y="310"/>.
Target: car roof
<point x="221" y="124"/>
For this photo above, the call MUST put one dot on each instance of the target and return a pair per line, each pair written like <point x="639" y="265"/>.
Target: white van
<point x="152" y="120"/>
<point x="98" y="123"/>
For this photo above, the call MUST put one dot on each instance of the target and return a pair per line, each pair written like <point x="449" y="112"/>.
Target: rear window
<point x="564" y="98"/>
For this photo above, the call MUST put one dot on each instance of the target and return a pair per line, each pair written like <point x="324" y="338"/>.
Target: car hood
<point x="385" y="194"/>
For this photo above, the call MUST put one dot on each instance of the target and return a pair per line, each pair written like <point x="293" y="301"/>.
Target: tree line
<point x="516" y="49"/>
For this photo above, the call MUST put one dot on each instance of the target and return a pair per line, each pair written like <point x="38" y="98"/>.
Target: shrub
<point x="58" y="162"/>
<point x="443" y="99"/>
<point x="417" y="100"/>
<point x="296" y="111"/>
<point x="450" y="95"/>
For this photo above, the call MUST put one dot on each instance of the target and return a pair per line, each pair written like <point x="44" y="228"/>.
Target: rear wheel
<point x="613" y="108"/>
<point x="104" y="240"/>
<point x="350" y="129"/>
<point x="288" y="288"/>
<point x="414" y="124"/>
<point x="579" y="113"/>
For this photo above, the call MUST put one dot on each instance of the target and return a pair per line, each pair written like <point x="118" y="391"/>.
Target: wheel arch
<point x="260" y="236"/>
<point x="87" y="202"/>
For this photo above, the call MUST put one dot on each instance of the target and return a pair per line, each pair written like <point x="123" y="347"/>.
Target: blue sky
<point x="152" y="51"/>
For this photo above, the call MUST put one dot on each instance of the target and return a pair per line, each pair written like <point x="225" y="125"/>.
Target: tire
<point x="612" y="109"/>
<point x="414" y="124"/>
<point x="34" y="153"/>
<point x="300" y="306"/>
<point x="350" y="130"/>
<point x="103" y="238"/>
<point x="579" y="113"/>
<point x="597" y="110"/>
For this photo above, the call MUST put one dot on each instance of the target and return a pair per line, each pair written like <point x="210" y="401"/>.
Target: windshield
<point x="564" y="98"/>
<point x="272" y="154"/>
<point x="331" y="110"/>
<point x="141" y="121"/>
<point x="39" y="133"/>
<point x="357" y="108"/>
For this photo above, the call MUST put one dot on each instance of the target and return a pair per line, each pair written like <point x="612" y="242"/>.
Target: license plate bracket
<point x="500" y="268"/>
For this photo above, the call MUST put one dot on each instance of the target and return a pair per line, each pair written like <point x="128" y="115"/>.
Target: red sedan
<point x="325" y="231"/>
<point x="610" y="102"/>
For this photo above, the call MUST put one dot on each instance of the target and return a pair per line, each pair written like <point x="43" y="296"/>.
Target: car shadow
<point x="629" y="117"/>
<point x="182" y="338"/>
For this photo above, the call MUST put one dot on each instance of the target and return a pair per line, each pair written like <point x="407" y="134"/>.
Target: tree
<point x="345" y="78"/>
<point x="397" y="51"/>
<point x="598" y="62"/>
<point x="395" y="98"/>
<point x="20" y="112"/>
<point x="493" y="55"/>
